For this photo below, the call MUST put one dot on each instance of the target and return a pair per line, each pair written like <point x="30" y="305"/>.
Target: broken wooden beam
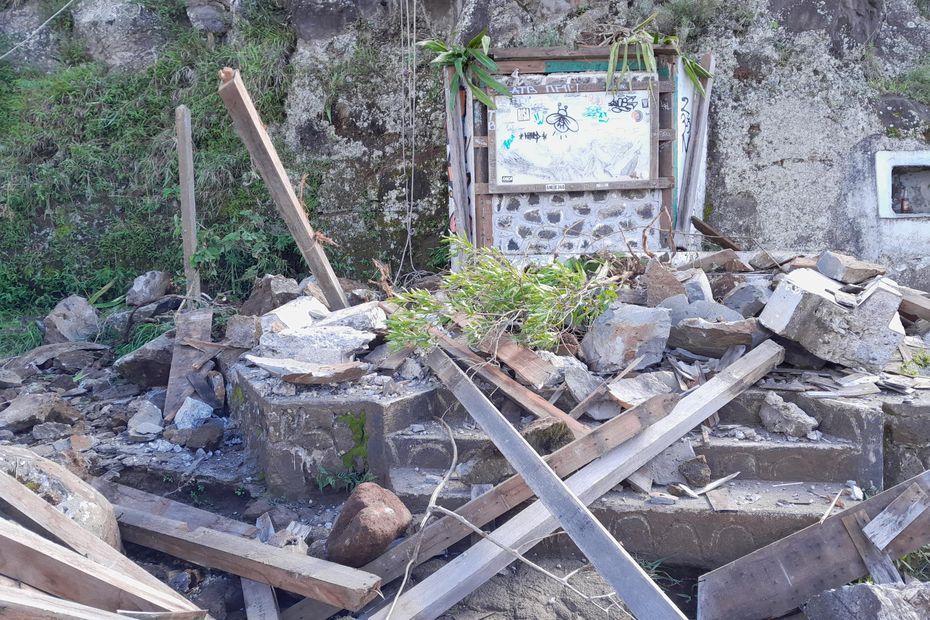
<point x="182" y="125"/>
<point x="795" y="568"/>
<point x="265" y="158"/>
<point x="308" y="576"/>
<point x="445" y="532"/>
<point x="195" y="325"/>
<point x="260" y="601"/>
<point x="25" y="604"/>
<point x="713" y="235"/>
<point x="890" y="522"/>
<point x="879" y="565"/>
<point x="435" y="594"/>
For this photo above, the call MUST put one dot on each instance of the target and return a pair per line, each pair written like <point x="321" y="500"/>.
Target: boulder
<point x="680" y="309"/>
<point x="713" y="339"/>
<point x="214" y="16"/>
<point x="370" y="520"/>
<point x="150" y="364"/>
<point x="50" y="431"/>
<point x="748" y="298"/>
<point x="300" y="312"/>
<point x="333" y="344"/>
<point x="192" y="413"/>
<point x="270" y="292"/>
<point x="122" y="34"/>
<point x="366" y="317"/>
<point x="779" y="416"/>
<point x="22" y="22"/>
<point x="847" y="268"/>
<point x="697" y="286"/>
<point x="149" y="287"/>
<point x="865" y="601"/>
<point x="623" y="333"/>
<point x="243" y="331"/>
<point x="27" y="410"/>
<point x="72" y="320"/>
<point x="660" y="283"/>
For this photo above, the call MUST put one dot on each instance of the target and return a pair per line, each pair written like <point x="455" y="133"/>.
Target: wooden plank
<point x="914" y="304"/>
<point x="900" y="513"/>
<point x="795" y="568"/>
<point x="170" y="509"/>
<point x="40" y="563"/>
<point x="35" y="513"/>
<point x="260" y="601"/>
<point x="456" y="142"/>
<point x="265" y="158"/>
<point x="529" y="400"/>
<point x="639" y="593"/>
<point x="694" y="156"/>
<point x="30" y="605"/>
<point x="435" y="594"/>
<point x="182" y="126"/>
<point x="442" y="534"/>
<point x="713" y="235"/>
<point x="658" y="183"/>
<point x="880" y="566"/>
<point x="527" y="365"/>
<point x="318" y="579"/>
<point x="601" y="391"/>
<point x="194" y="325"/>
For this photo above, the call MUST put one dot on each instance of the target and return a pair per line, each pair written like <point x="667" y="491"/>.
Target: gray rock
<point x="748" y="298"/>
<point x="623" y="333"/>
<point x="871" y="602"/>
<point x="579" y="381"/>
<point x="27" y="410"/>
<point x="317" y="344"/>
<point x="410" y="369"/>
<point x="680" y="309"/>
<point x="120" y="33"/>
<point x="847" y="268"/>
<point x="214" y="16"/>
<point x="50" y="430"/>
<point x="635" y="390"/>
<point x="208" y="435"/>
<point x="660" y="283"/>
<point x="9" y="379"/>
<point x="192" y="413"/>
<point x="779" y="416"/>
<point x="148" y="287"/>
<point x="295" y="314"/>
<point x="21" y="21"/>
<point x="243" y="331"/>
<point x="146" y="413"/>
<point x="367" y="317"/>
<point x="72" y="320"/>
<point x="268" y="293"/>
<point x="697" y="286"/>
<point x="150" y="364"/>
<point x="713" y="339"/>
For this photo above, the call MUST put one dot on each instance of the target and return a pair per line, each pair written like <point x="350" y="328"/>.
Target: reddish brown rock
<point x="660" y="283"/>
<point x="370" y="520"/>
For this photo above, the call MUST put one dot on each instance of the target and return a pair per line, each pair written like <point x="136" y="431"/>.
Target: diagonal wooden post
<point x="264" y="157"/>
<point x="182" y="125"/>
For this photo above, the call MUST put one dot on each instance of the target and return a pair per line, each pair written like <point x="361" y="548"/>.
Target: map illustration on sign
<point x="572" y="138"/>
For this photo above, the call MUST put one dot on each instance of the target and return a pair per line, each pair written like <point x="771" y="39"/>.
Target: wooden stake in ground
<point x="182" y="125"/>
<point x="695" y="154"/>
<point x="265" y="158"/>
<point x="620" y="570"/>
<point x="195" y="325"/>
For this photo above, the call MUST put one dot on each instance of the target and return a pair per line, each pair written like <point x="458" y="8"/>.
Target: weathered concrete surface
<point x="779" y="416"/>
<point x="865" y="601"/>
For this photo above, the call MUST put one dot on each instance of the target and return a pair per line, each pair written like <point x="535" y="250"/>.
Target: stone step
<point x="686" y="533"/>
<point x="773" y="457"/>
<point x="426" y="444"/>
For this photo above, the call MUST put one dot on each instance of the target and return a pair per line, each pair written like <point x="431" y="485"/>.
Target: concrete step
<point x="775" y="458"/>
<point x="687" y="533"/>
<point x="426" y="444"/>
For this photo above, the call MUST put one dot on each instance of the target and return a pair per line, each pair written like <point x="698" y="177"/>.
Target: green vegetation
<point x="919" y="360"/>
<point x="345" y="480"/>
<point x="913" y="84"/>
<point x="142" y="333"/>
<point x="88" y="168"/>
<point x="537" y="304"/>
<point x="357" y="456"/>
<point x="18" y="336"/>
<point x="468" y="60"/>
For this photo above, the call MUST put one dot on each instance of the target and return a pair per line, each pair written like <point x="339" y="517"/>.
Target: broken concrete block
<point x="192" y="413"/>
<point x="713" y="339"/>
<point x="148" y="287"/>
<point x="319" y="344"/>
<point x="865" y="601"/>
<point x="696" y="471"/>
<point x="680" y="309"/>
<point x="243" y="331"/>
<point x="635" y="390"/>
<point x="909" y="421"/>
<point x="803" y="309"/>
<point x="295" y="314"/>
<point x="27" y="410"/>
<point x="660" y="283"/>
<point x="847" y="268"/>
<point x="268" y="293"/>
<point x="623" y="333"/>
<point x="370" y="520"/>
<point x="73" y="319"/>
<point x="779" y="416"/>
<point x="308" y="373"/>
<point x="697" y="286"/>
<point x="150" y="364"/>
<point x="748" y="298"/>
<point x="367" y="317"/>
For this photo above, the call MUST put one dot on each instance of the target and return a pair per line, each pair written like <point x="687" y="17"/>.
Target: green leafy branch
<point x="468" y="59"/>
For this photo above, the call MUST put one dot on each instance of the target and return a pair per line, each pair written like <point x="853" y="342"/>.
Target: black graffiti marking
<point x="561" y="121"/>
<point x="685" y="123"/>
<point x="533" y="135"/>
<point x="622" y="103"/>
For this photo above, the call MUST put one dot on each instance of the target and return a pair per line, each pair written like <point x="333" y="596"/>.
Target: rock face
<point x="370" y="520"/>
<point x="779" y="416"/>
<point x="27" y="410"/>
<point x="623" y="333"/>
<point x="871" y="602"/>
<point x="803" y="309"/>
<point x="847" y="268"/>
<point x="72" y="320"/>
<point x="150" y="364"/>
<point x="319" y="345"/>
<point x="147" y="288"/>
<point x="121" y="34"/>
<point x="268" y="293"/>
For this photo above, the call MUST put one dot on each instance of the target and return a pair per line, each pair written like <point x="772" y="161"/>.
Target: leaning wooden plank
<point x="797" y="567"/>
<point x="52" y="568"/>
<point x="35" y="513"/>
<point x="265" y="158"/>
<point x="713" y="235"/>
<point x="135" y="499"/>
<point x="695" y="158"/>
<point x="444" y="588"/>
<point x="30" y="605"/>
<point x="318" y="579"/>
<point x="442" y="534"/>
<point x="900" y="513"/>
<point x="628" y="579"/>
<point x="529" y="400"/>
<point x="157" y="615"/>
<point x="527" y="365"/>
<point x="195" y="325"/>
<point x="880" y="566"/>
<point x="260" y="601"/>
<point x="182" y="124"/>
<point x="914" y="304"/>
